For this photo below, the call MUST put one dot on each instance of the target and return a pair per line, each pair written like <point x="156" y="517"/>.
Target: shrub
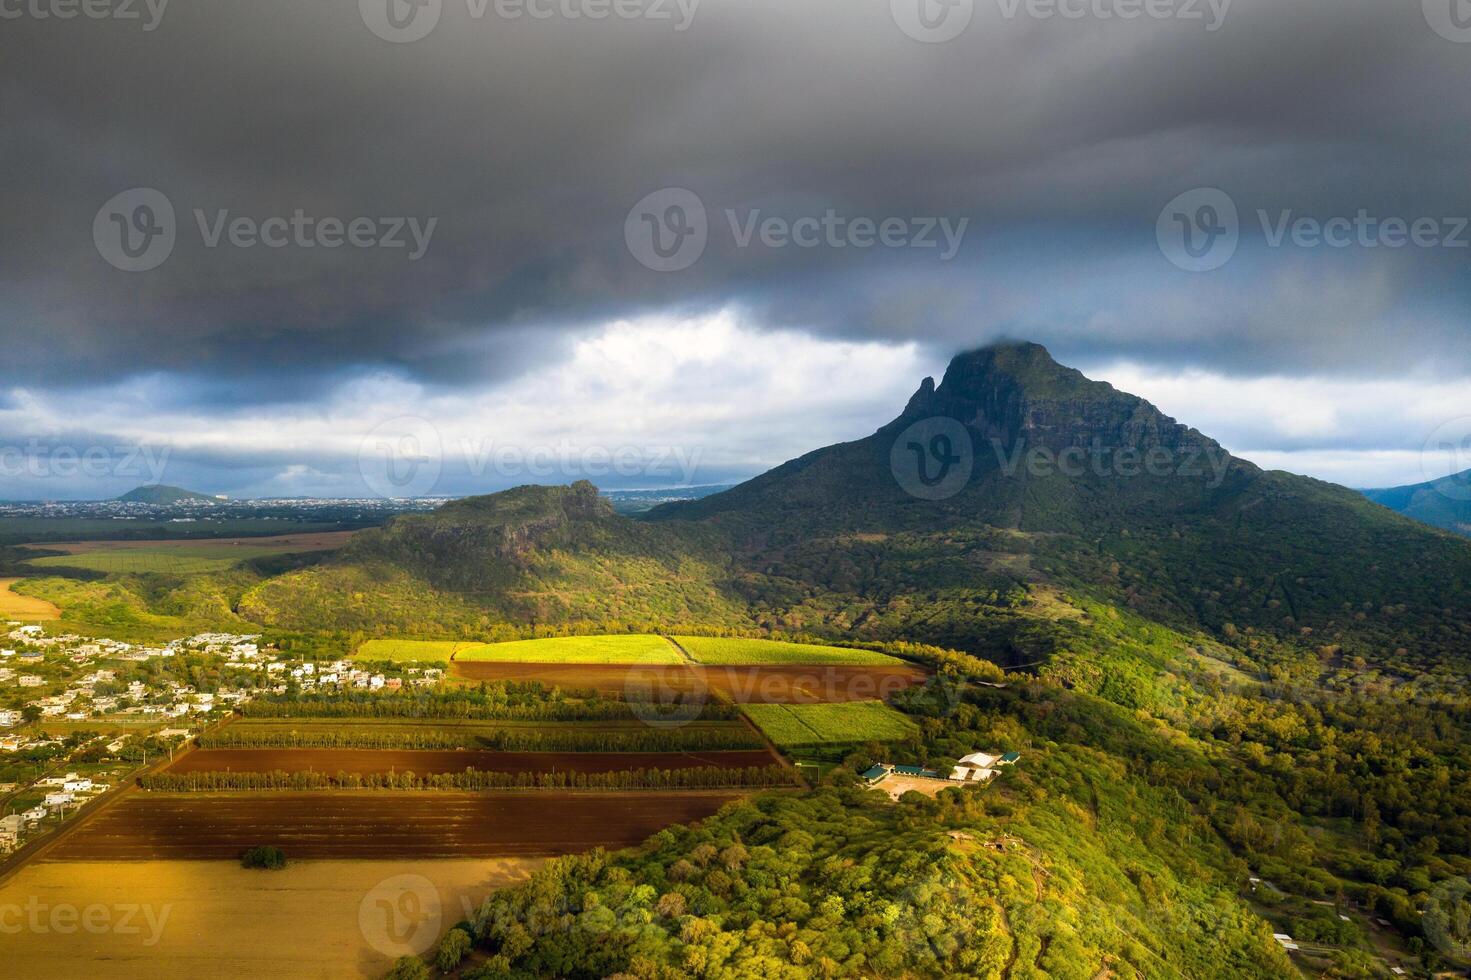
<point x="264" y="857"/>
<point x="408" y="968"/>
<point x="452" y="949"/>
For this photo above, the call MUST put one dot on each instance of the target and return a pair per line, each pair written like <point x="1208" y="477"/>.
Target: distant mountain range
<point x="161" y="495"/>
<point x="641" y="501"/>
<point x="985" y="517"/>
<point x="1443" y="503"/>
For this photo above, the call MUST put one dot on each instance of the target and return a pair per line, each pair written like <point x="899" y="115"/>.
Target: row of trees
<point x="474" y="780"/>
<point x="491" y="702"/>
<point x="532" y="740"/>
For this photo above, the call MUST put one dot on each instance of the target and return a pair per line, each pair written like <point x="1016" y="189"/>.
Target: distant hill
<point x="162" y="496"/>
<point x="528" y="555"/>
<point x="1442" y="503"/>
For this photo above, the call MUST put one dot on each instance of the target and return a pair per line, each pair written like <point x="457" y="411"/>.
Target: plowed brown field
<point x="360" y="824"/>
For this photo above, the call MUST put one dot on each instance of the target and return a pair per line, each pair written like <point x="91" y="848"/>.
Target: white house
<point x="12" y="822"/>
<point x="30" y="680"/>
<point x="54" y="800"/>
<point x="9" y="719"/>
<point x="35" y="814"/>
<point x="79" y="784"/>
<point x="980" y="767"/>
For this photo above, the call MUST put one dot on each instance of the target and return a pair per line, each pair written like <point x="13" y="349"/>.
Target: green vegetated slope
<point x="549" y="555"/>
<point x="1054" y="876"/>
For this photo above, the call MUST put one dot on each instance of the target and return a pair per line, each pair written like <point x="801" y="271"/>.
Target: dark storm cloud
<point x="529" y="140"/>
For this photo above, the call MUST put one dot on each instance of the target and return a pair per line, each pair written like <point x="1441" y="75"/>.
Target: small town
<point x="80" y="715"/>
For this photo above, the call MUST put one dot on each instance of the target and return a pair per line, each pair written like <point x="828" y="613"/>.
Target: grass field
<point x="740" y="652"/>
<point x="19" y="530"/>
<point x="617" y="649"/>
<point x="792" y="725"/>
<point x="141" y="562"/>
<point x="23" y="607"/>
<point x="181" y="557"/>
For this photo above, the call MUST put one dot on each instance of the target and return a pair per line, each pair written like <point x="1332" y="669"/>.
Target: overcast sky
<point x="265" y="240"/>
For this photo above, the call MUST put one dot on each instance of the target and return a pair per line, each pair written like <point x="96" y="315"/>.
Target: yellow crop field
<point x="195" y="920"/>
<point x="24" y="608"/>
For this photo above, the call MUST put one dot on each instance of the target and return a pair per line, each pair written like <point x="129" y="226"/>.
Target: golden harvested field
<point x="24" y="607"/>
<point x="369" y="825"/>
<point x="195" y="920"/>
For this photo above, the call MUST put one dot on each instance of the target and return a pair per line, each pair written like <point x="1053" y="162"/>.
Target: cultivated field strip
<point x="381" y="825"/>
<point x="791" y="726"/>
<point x="770" y="684"/>
<point x="365" y="761"/>
<point x="743" y="652"/>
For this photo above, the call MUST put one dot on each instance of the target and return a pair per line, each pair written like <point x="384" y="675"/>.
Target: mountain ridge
<point x="836" y="544"/>
<point x="1444" y="503"/>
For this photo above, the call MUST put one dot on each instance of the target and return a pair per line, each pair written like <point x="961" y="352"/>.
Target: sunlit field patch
<point x="24" y="608"/>
<point x="613" y="649"/>
<point x="413" y="651"/>
<point x="792" y="725"/>
<point x="740" y="652"/>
